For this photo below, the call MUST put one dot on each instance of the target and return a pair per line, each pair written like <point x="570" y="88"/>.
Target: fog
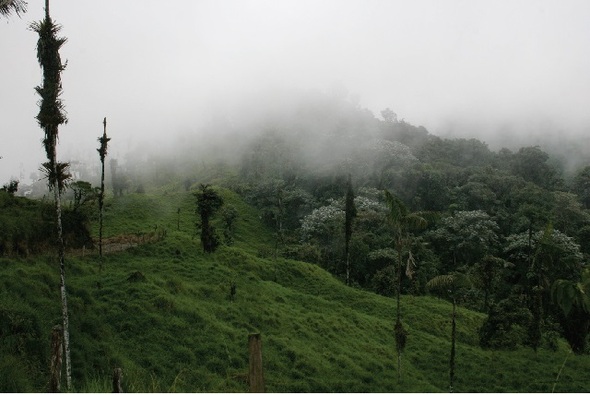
<point x="495" y="70"/>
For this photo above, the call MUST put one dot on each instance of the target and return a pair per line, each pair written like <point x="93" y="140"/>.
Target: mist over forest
<point x="351" y="181"/>
<point x="508" y="75"/>
<point x="313" y="129"/>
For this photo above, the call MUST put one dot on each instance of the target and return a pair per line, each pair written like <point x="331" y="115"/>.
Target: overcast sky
<point x="158" y="66"/>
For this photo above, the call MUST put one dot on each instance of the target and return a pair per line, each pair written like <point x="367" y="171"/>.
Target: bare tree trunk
<point x="453" y="340"/>
<point x="347" y="267"/>
<point x="398" y="311"/>
<point x="56" y="359"/>
<point x="256" y="377"/>
<point x="62" y="269"/>
<point x="117" y="378"/>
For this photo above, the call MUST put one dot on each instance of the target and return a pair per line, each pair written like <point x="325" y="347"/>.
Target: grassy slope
<point x="175" y="329"/>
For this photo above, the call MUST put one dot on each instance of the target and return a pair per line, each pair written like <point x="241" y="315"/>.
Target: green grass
<point x="161" y="311"/>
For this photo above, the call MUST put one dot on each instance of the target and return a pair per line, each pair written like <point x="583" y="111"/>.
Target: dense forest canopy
<point x="241" y="204"/>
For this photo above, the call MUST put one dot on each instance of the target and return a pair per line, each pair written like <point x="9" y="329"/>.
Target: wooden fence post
<point x="56" y="359"/>
<point x="256" y="377"/>
<point x="117" y="377"/>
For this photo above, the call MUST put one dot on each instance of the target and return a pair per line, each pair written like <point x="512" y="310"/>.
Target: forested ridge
<point x="330" y="231"/>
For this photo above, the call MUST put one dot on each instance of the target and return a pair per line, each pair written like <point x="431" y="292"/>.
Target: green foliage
<point x="208" y="202"/>
<point x="465" y="238"/>
<point x="581" y="185"/>
<point x="574" y="301"/>
<point x="229" y="214"/>
<point x="160" y="308"/>
<point x="384" y="281"/>
<point x="28" y="226"/>
<point x="531" y="163"/>
<point x="104" y="142"/>
<point x="51" y="109"/>
<point x="56" y="176"/>
<point x="13" y="6"/>
<point x="350" y="213"/>
<point x="505" y="326"/>
<point x="176" y="329"/>
<point x="11" y="187"/>
<point x="568" y="294"/>
<point x="559" y="255"/>
<point x="450" y="283"/>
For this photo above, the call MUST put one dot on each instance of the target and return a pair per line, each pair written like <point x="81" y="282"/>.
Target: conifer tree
<point x="51" y="115"/>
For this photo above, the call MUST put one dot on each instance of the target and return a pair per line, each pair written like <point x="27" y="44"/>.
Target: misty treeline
<point x="516" y="220"/>
<point x="28" y="225"/>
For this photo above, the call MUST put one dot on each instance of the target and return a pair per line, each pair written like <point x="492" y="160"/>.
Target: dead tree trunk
<point x="56" y="359"/>
<point x="256" y="377"/>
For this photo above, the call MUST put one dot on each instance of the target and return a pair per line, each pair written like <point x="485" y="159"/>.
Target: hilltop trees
<point x="581" y="185"/>
<point x="531" y="163"/>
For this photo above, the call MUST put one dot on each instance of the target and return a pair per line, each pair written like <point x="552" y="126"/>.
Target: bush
<point x="506" y="325"/>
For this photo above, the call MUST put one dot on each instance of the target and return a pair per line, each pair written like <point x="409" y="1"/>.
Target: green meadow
<point x="161" y="310"/>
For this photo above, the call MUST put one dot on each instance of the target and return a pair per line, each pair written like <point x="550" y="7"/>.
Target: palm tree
<point x="51" y="115"/>
<point x="402" y="222"/>
<point x="102" y="151"/>
<point x="349" y="215"/>
<point x="573" y="298"/>
<point x="485" y="272"/>
<point x="7" y="7"/>
<point x="452" y="283"/>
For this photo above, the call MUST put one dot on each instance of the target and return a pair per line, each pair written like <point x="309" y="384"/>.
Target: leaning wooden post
<point x="117" y="377"/>
<point x="56" y="359"/>
<point x="256" y="377"/>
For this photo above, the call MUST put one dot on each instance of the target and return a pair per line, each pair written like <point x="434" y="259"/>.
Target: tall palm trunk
<point x="62" y="271"/>
<point x="453" y="340"/>
<point x="102" y="151"/>
<point x="349" y="215"/>
<point x="50" y="116"/>
<point x="398" y="321"/>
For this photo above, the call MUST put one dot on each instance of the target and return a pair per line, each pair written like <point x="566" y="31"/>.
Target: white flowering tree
<point x="465" y="238"/>
<point x="554" y="256"/>
<point x="323" y="228"/>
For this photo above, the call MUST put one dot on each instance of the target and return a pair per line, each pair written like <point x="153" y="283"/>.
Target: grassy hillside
<point x="161" y="310"/>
